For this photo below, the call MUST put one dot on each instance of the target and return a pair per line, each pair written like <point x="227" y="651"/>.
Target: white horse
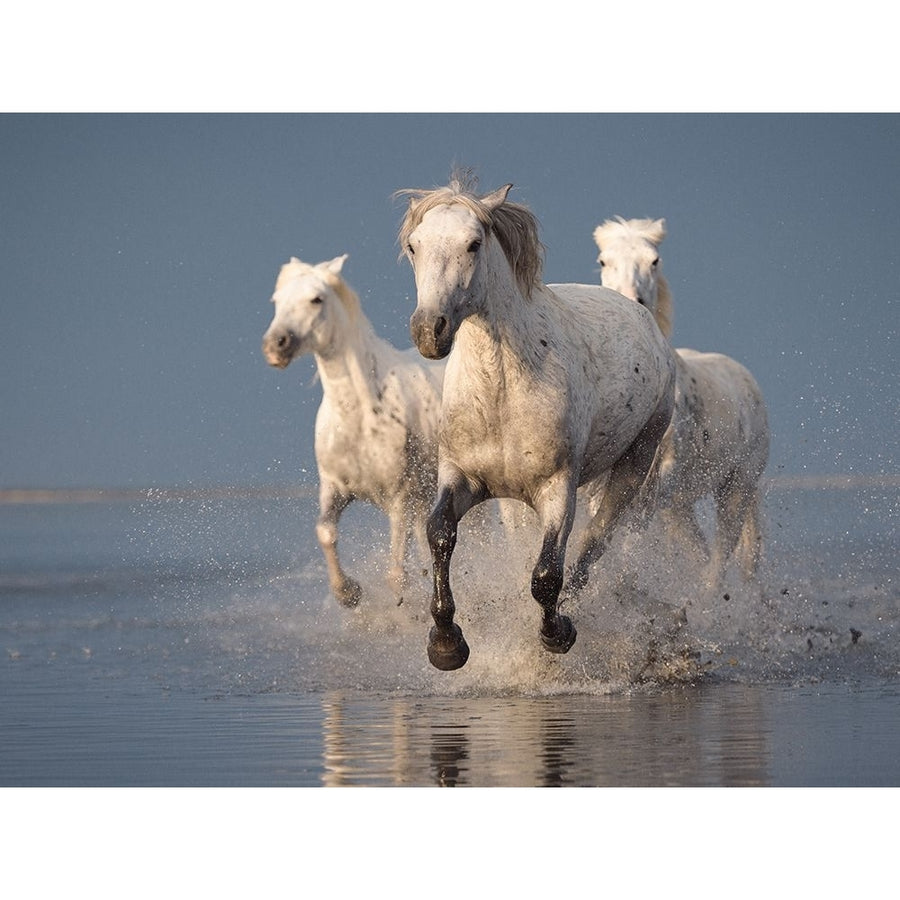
<point x="718" y="443"/>
<point x="547" y="387"/>
<point x="376" y="428"/>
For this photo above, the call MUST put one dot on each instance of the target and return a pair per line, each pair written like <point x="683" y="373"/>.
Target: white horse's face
<point x="630" y="265"/>
<point x="445" y="251"/>
<point x="307" y="314"/>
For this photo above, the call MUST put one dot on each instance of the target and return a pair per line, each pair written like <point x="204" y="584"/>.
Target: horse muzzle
<point x="431" y="333"/>
<point x="280" y="348"/>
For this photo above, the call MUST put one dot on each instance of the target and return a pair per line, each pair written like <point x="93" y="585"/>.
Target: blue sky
<point x="139" y="253"/>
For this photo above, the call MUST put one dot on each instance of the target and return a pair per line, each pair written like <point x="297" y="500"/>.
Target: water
<point x="161" y="640"/>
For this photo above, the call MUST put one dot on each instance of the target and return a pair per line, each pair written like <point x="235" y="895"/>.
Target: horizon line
<point x="23" y="496"/>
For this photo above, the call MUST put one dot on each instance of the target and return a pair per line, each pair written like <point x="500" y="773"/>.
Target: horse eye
<point x="409" y="250"/>
<point x="317" y="299"/>
<point x="473" y="247"/>
<point x="655" y="262"/>
<point x="602" y="264"/>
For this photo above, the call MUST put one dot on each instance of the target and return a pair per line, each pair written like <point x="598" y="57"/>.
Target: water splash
<point x="642" y="621"/>
<point x="223" y="595"/>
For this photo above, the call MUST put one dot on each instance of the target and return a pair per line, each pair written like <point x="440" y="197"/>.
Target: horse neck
<point x="502" y="334"/>
<point x="348" y="368"/>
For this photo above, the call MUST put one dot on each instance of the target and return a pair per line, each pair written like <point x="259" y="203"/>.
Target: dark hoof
<point x="563" y="638"/>
<point x="349" y="593"/>
<point x="447" y="651"/>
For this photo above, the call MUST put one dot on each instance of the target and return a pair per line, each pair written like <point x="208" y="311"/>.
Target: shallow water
<point x="171" y="641"/>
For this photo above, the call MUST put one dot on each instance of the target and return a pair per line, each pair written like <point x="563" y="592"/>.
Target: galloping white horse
<point x="547" y="387"/>
<point x="376" y="428"/>
<point x="718" y="443"/>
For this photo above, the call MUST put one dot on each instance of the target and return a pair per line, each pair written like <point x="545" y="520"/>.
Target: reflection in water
<point x="713" y="736"/>
<point x="558" y="743"/>
<point x="449" y="751"/>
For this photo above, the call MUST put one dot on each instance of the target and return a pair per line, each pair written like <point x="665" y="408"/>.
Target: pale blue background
<point x="138" y="255"/>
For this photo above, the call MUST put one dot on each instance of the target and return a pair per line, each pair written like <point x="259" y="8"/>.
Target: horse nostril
<point x="440" y="325"/>
<point x="283" y="341"/>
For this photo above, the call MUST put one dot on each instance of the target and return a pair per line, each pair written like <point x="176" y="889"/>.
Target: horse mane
<point x="663" y="313"/>
<point x="653" y="230"/>
<point x="348" y="297"/>
<point x="514" y="225"/>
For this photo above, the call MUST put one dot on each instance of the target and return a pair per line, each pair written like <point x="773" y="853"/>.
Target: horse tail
<point x="749" y="548"/>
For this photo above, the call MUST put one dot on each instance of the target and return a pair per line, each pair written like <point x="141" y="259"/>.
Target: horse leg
<point x="557" y="513"/>
<point x="681" y="520"/>
<point x="401" y="524"/>
<point x="739" y="508"/>
<point x="732" y="503"/>
<point x="447" y="648"/>
<point x="332" y="502"/>
<point x="749" y="547"/>
<point x="634" y="475"/>
<point x="409" y="543"/>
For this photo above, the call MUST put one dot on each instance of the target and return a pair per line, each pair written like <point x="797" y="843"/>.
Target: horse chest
<point x="507" y="446"/>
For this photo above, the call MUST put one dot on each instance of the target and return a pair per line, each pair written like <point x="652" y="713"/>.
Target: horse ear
<point x="659" y="231"/>
<point x="336" y="264"/>
<point x="496" y="198"/>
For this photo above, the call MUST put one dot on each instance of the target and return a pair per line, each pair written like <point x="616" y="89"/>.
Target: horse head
<point x="445" y="235"/>
<point x="630" y="263"/>
<point x="309" y="307"/>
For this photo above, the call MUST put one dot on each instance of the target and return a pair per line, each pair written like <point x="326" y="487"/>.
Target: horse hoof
<point x="349" y="594"/>
<point x="447" y="650"/>
<point x="562" y="640"/>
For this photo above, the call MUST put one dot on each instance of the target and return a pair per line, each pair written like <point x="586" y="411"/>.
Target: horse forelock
<point x="513" y="224"/>
<point x="291" y="270"/>
<point x="653" y="230"/>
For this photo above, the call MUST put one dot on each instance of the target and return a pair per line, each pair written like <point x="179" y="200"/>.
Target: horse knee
<point x="441" y="534"/>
